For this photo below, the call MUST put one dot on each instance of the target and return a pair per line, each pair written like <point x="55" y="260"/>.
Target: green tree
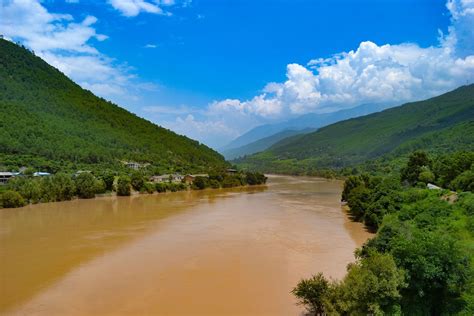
<point x="63" y="187"/>
<point x="10" y="199"/>
<point x="123" y="186"/>
<point x="351" y="183"/>
<point x="86" y="185"/>
<point x="108" y="179"/>
<point x="314" y="294"/>
<point x="414" y="167"/>
<point x="137" y="181"/>
<point x="371" y="287"/>
<point x="200" y="183"/>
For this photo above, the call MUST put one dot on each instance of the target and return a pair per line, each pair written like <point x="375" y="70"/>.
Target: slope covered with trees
<point x="441" y="124"/>
<point x="47" y="121"/>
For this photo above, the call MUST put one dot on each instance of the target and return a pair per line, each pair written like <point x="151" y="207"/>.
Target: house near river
<point x="176" y="178"/>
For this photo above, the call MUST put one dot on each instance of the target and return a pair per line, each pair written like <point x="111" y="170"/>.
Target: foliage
<point x="149" y="187"/>
<point x="138" y="181"/>
<point x="123" y="186"/>
<point x="314" y="294"/>
<point x="416" y="164"/>
<point x="371" y="287"/>
<point x="11" y="199"/>
<point x="86" y="185"/>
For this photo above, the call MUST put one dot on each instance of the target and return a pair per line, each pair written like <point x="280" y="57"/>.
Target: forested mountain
<point x="441" y="124"/>
<point x="261" y="144"/>
<point x="49" y="121"/>
<point x="302" y="124"/>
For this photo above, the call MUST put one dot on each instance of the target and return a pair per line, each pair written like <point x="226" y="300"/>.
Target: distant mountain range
<point x="262" y="137"/>
<point x="440" y="124"/>
<point x="48" y="121"/>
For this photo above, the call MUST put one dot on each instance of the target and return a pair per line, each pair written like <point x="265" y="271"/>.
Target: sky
<point x="214" y="69"/>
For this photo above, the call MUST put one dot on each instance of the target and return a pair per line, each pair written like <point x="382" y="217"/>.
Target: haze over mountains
<point x="262" y="137"/>
<point x="440" y="124"/>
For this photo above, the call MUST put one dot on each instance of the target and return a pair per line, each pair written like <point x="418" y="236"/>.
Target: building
<point x="231" y="171"/>
<point x="133" y="165"/>
<point x="168" y="178"/>
<point x="41" y="174"/>
<point x="189" y="178"/>
<point x="5" y="176"/>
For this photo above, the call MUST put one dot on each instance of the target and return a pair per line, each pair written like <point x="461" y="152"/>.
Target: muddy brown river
<point x="214" y="252"/>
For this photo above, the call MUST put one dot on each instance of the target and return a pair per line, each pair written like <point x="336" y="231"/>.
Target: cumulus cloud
<point x="369" y="74"/>
<point x="66" y="44"/>
<point x="131" y="8"/>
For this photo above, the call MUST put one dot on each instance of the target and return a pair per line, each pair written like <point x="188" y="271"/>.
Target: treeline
<point x="223" y="180"/>
<point x="420" y="262"/>
<point x="62" y="187"/>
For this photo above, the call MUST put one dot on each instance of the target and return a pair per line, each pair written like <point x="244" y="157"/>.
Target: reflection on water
<point x="192" y="253"/>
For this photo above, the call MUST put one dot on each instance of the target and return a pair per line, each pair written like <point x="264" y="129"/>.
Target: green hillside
<point x="49" y="121"/>
<point x="441" y="124"/>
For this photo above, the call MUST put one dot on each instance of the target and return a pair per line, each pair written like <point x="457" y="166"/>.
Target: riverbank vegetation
<point x="62" y="187"/>
<point x="421" y="260"/>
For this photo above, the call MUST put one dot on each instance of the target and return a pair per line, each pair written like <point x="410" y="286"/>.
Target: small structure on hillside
<point x="231" y="171"/>
<point x="167" y="178"/>
<point x="5" y="176"/>
<point x="135" y="165"/>
<point x="189" y="178"/>
<point x="41" y="174"/>
<point x="433" y="187"/>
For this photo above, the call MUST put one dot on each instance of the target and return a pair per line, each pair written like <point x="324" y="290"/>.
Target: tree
<point x="464" y="181"/>
<point x="123" y="186"/>
<point x="86" y="185"/>
<point x="359" y="201"/>
<point x="63" y="187"/>
<point x="200" y="183"/>
<point x="137" y="181"/>
<point x="109" y="179"/>
<point x="149" y="187"/>
<point x="416" y="161"/>
<point x="314" y="294"/>
<point x="371" y="287"/>
<point x="10" y="199"/>
<point x="351" y="183"/>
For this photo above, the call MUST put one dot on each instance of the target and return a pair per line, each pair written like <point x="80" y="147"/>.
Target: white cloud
<point x="131" y="8"/>
<point x="151" y="46"/>
<point x="369" y="74"/>
<point x="66" y="44"/>
<point x="134" y="7"/>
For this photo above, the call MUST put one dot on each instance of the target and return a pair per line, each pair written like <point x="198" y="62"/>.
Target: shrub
<point x="137" y="181"/>
<point x="10" y="199"/>
<point x="160" y="187"/>
<point x="123" y="186"/>
<point x="149" y="187"/>
<point x="86" y="185"/>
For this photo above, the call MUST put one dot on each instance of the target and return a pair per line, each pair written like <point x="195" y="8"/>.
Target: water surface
<point x="215" y="252"/>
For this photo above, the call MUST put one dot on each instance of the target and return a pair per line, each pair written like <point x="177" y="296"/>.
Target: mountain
<point x="310" y="121"/>
<point x="441" y="124"/>
<point x="49" y="121"/>
<point x="261" y="144"/>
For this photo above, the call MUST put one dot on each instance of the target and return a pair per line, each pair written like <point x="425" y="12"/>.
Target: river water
<point x="213" y="252"/>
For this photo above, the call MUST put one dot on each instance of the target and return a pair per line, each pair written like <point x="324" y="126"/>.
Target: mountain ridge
<point x="442" y="123"/>
<point x="50" y="121"/>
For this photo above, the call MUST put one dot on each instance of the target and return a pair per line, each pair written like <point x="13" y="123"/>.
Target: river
<point x="213" y="252"/>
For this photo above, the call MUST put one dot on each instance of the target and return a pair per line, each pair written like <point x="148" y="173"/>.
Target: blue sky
<point x="214" y="69"/>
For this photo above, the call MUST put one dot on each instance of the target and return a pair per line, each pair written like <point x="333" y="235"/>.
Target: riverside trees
<point x="420" y="262"/>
